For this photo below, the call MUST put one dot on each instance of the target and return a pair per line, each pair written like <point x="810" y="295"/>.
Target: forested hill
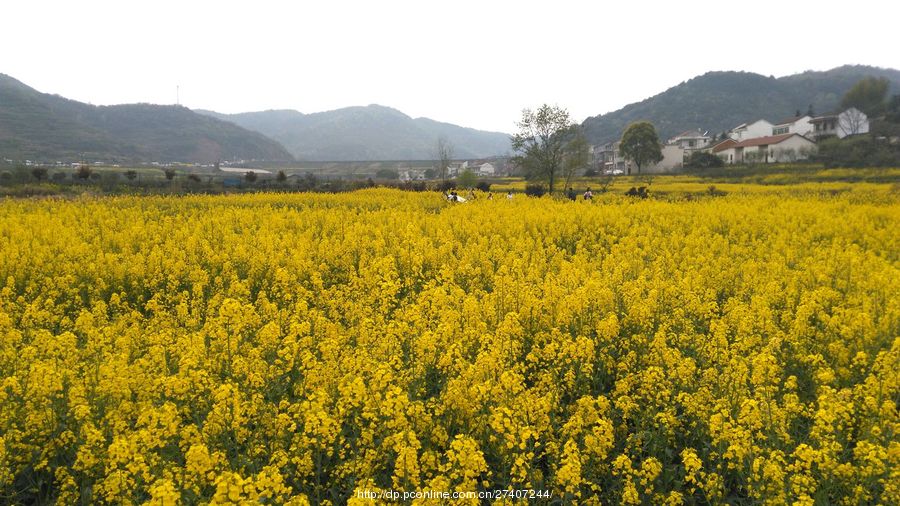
<point x="42" y="127"/>
<point x="718" y="101"/>
<point x="372" y="132"/>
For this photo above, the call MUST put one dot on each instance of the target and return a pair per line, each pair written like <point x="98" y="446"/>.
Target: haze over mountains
<point x="718" y="101"/>
<point x="373" y="132"/>
<point x="43" y="127"/>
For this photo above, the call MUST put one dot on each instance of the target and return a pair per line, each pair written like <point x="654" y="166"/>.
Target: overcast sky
<point x="473" y="63"/>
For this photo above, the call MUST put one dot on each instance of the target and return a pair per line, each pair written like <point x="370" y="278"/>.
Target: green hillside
<point x="718" y="101"/>
<point x="42" y="127"/>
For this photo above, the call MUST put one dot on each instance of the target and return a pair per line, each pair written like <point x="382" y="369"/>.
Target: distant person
<point x="588" y="195"/>
<point x="490" y="196"/>
<point x="571" y="194"/>
<point x="454" y="197"/>
<point x="509" y="195"/>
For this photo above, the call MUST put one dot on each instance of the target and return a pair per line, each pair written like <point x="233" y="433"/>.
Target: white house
<point x="691" y="139"/>
<point x="673" y="159"/>
<point x="770" y="149"/>
<point x="794" y="125"/>
<point x="840" y="125"/>
<point x="486" y="169"/>
<point x="744" y="131"/>
<point x="720" y="150"/>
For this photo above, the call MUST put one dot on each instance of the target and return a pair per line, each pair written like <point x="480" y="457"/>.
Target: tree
<point x="281" y="177"/>
<point x="467" y="179"/>
<point x="543" y="143"/>
<point x="131" y="175"/>
<point x="170" y="174"/>
<point x="387" y="174"/>
<point x="851" y="121"/>
<point x="868" y="95"/>
<point x="577" y="155"/>
<point x="892" y="111"/>
<point x="444" y="153"/>
<point x="39" y="173"/>
<point x="640" y="144"/>
<point x="83" y="171"/>
<point x="250" y="176"/>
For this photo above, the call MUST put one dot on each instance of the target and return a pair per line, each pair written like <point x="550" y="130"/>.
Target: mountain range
<point x="367" y="133"/>
<point x="42" y="127"/>
<point x="719" y="101"/>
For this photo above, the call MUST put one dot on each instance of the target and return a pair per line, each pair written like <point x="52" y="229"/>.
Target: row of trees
<point x="551" y="147"/>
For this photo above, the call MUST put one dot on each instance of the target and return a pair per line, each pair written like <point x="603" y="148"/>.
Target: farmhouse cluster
<point x="760" y="141"/>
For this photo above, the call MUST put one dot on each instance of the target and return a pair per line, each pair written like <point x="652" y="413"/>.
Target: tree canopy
<point x="640" y="144"/>
<point x="547" y="138"/>
<point x="868" y="95"/>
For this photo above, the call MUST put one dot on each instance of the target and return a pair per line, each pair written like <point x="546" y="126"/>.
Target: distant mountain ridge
<point x="718" y="101"/>
<point x="43" y="127"/>
<point x="368" y="133"/>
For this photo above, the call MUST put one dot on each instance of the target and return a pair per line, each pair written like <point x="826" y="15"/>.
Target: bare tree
<point x="851" y="121"/>
<point x="444" y="155"/>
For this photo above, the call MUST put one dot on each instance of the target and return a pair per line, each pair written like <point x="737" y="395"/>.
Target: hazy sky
<point x="473" y="63"/>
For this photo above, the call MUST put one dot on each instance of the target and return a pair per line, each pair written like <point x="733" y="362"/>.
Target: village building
<point x="842" y="124"/>
<point x="769" y="149"/>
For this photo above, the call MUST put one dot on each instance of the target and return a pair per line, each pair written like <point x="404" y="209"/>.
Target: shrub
<point x="858" y="151"/>
<point x="467" y="179"/>
<point x="131" y="175"/>
<point x="704" y="160"/>
<point x="170" y="174"/>
<point x="445" y="186"/>
<point x="251" y="176"/>
<point x="308" y="182"/>
<point x="535" y="190"/>
<point x="640" y="192"/>
<point x="194" y="177"/>
<point x="483" y="186"/>
<point x="387" y="174"/>
<point x="39" y="173"/>
<point x="591" y="173"/>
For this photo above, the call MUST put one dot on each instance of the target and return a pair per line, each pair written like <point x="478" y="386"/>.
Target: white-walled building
<point x="794" y="125"/>
<point x="691" y="139"/>
<point x="486" y="169"/>
<point x="609" y="159"/>
<point x="672" y="160"/>
<point x="770" y="149"/>
<point x="840" y="125"/>
<point x="744" y="131"/>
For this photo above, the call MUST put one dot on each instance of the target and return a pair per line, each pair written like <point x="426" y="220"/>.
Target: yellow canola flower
<point x="306" y="348"/>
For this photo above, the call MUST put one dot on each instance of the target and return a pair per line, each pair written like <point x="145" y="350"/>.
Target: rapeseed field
<point x="266" y="348"/>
